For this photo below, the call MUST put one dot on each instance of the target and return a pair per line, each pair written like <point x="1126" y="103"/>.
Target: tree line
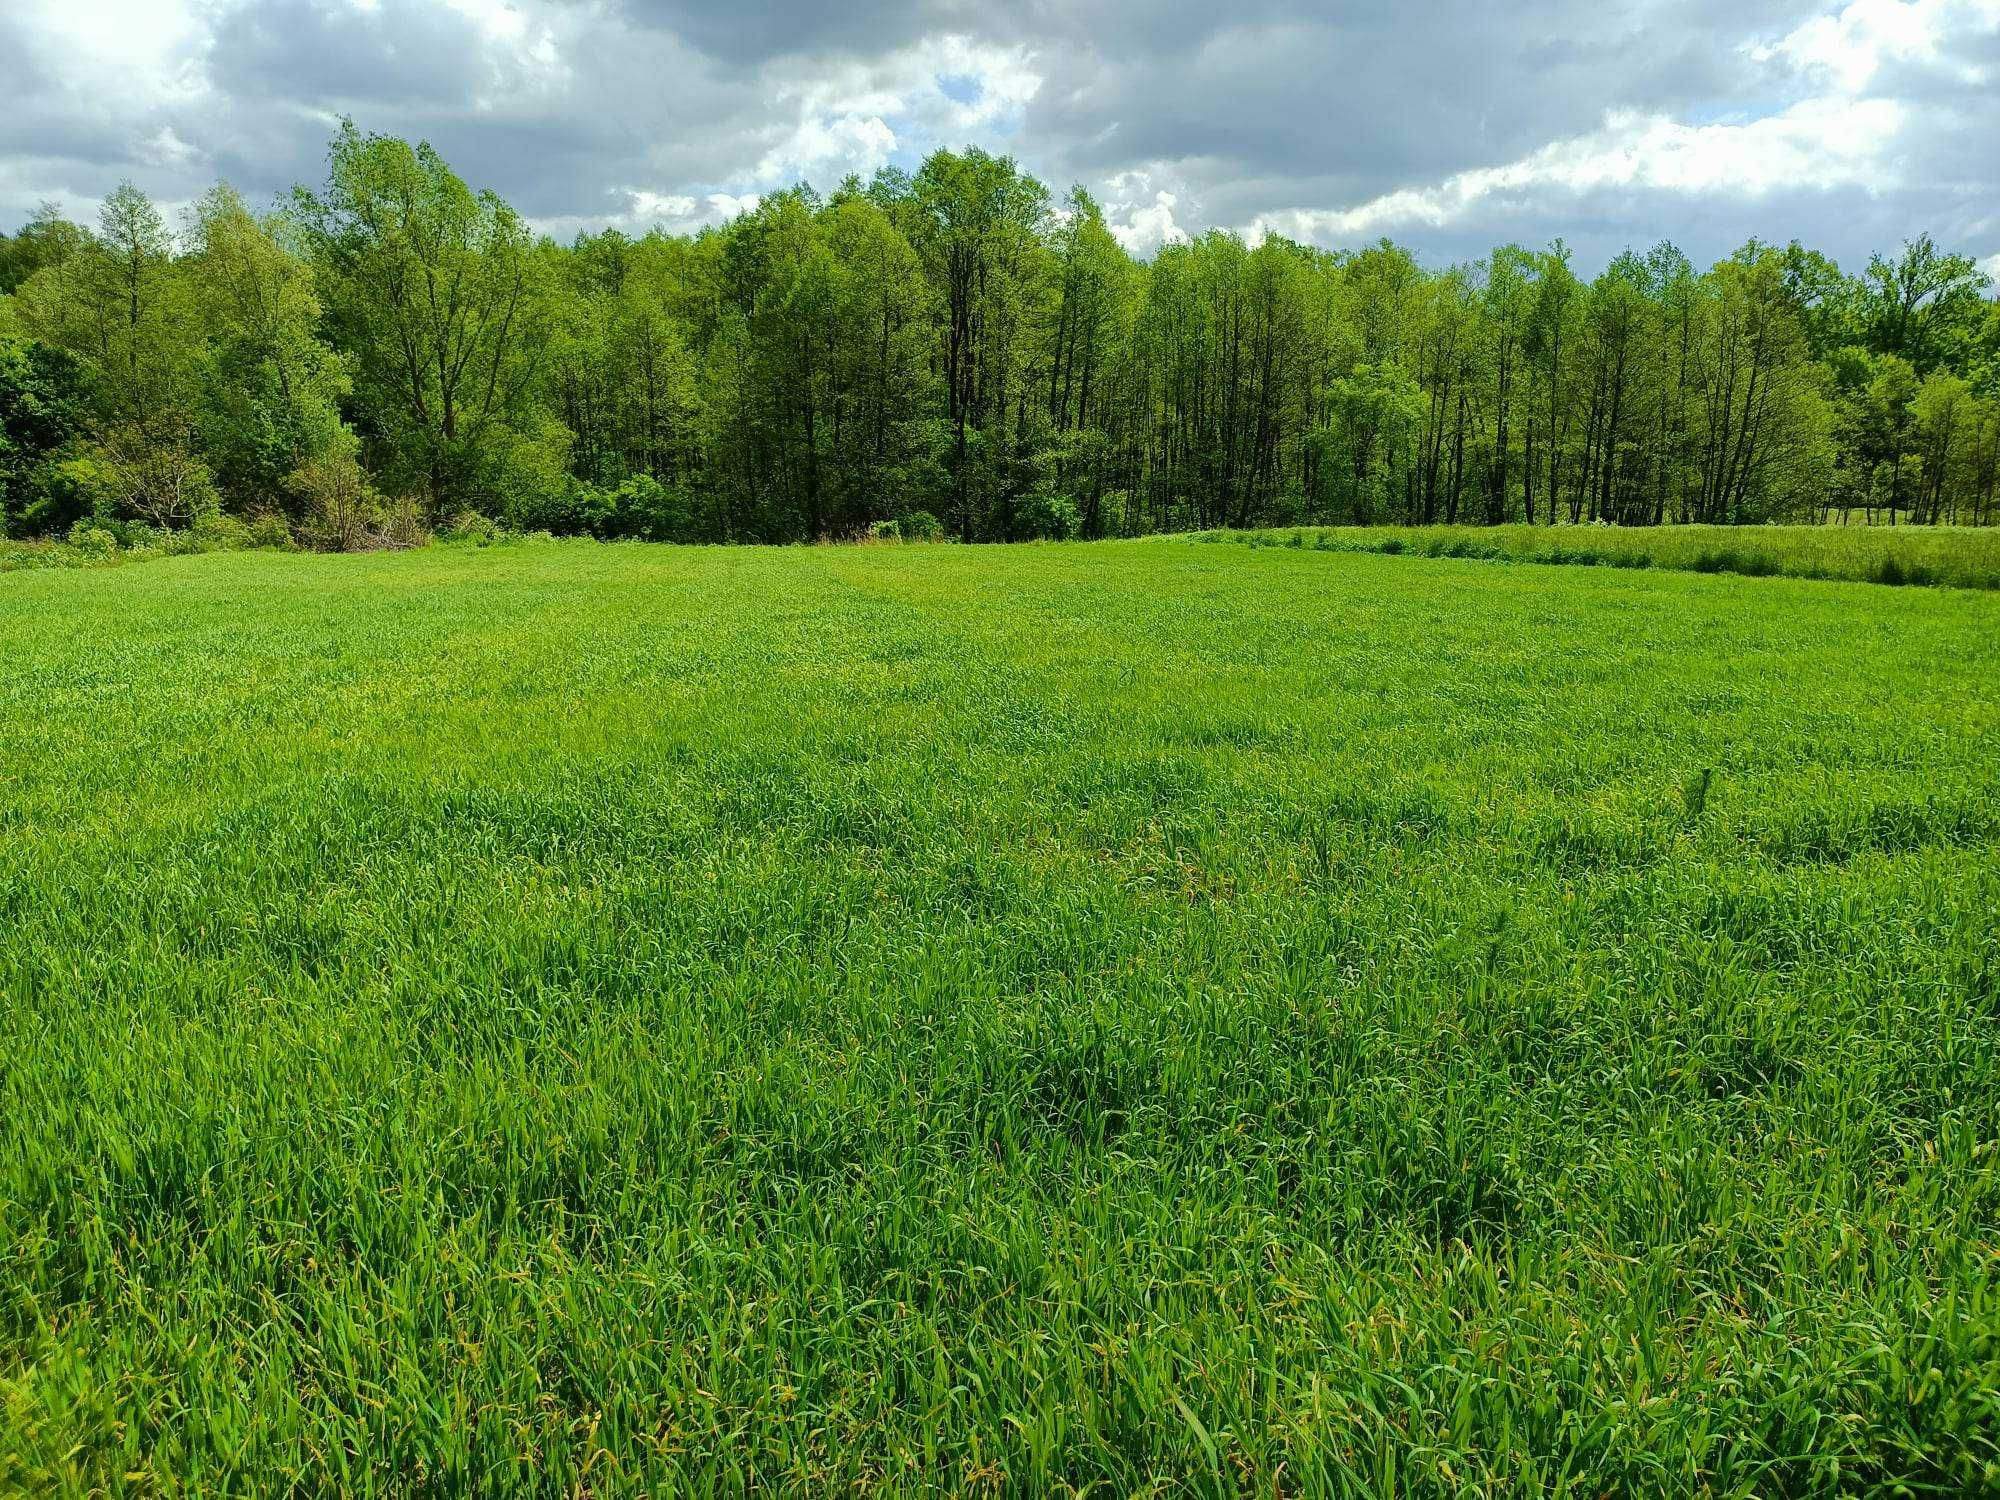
<point x="950" y="351"/>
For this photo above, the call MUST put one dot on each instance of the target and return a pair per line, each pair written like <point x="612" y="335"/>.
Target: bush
<point x="559" y="511"/>
<point x="215" y="532"/>
<point x="92" y="542"/>
<point x="920" y="526"/>
<point x="469" y="528"/>
<point x="129" y="473"/>
<point x="639" y="509"/>
<point x="402" y="525"/>
<point x="1047" y="517"/>
<point x="646" y="510"/>
<point x="885" y="531"/>
<point x="131" y="536"/>
<point x="343" y="511"/>
<point x="1895" y="572"/>
<point x="268" y="528"/>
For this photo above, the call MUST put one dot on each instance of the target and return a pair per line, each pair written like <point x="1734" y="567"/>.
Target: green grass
<point x="1129" y="1018"/>
<point x="1950" y="556"/>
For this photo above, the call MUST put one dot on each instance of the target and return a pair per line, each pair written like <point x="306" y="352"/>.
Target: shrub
<point x="1892" y="570"/>
<point x="639" y="509"/>
<point x="342" y="508"/>
<point x="921" y="526"/>
<point x="131" y="536"/>
<point x="269" y="528"/>
<point x="469" y="528"/>
<point x="655" y="512"/>
<point x="1046" y="516"/>
<point x="885" y="531"/>
<point x="402" y="525"/>
<point x="131" y="473"/>
<point x="215" y="532"/>
<point x="92" y="542"/>
<point x="559" y="511"/>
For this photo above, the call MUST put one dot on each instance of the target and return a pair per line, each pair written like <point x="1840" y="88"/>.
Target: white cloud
<point x="667" y="206"/>
<point x="1821" y="143"/>
<point x="1141" y="214"/>
<point x="819" y="148"/>
<point x="522" y="54"/>
<point x="729" y="205"/>
<point x="853" y="115"/>
<point x="1849" y="47"/>
<point x="142" y="52"/>
<point x="1991" y="266"/>
<point x="164" y="148"/>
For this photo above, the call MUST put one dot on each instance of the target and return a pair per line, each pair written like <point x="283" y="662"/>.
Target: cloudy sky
<point x="1447" y="126"/>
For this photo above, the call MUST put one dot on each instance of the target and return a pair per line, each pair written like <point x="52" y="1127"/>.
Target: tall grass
<point x="1953" y="556"/>
<point x="1144" y="1019"/>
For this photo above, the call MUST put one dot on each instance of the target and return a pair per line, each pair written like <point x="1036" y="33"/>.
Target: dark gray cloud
<point x="747" y="36"/>
<point x="1446" y="126"/>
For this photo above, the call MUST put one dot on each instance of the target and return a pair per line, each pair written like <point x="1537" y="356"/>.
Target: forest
<point x="950" y="352"/>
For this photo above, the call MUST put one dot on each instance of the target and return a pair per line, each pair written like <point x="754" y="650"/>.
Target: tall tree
<point x="433" y="288"/>
<point x="271" y="389"/>
<point x="977" y="222"/>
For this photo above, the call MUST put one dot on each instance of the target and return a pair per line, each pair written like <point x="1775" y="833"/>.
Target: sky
<point x="1447" y="127"/>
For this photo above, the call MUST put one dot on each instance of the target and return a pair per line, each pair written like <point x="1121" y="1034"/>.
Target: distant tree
<point x="47" y="239"/>
<point x="1760" y="405"/>
<point x="947" y="342"/>
<point x="1506" y="306"/>
<point x="1924" y="306"/>
<point x="1829" y="304"/>
<point x="113" y="301"/>
<point x="44" y="404"/>
<point x="1550" y="344"/>
<point x="271" y="389"/>
<point x="433" y="288"/>
<point x="977" y="222"/>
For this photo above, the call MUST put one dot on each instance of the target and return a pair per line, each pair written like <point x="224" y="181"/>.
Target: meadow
<point x="1944" y="556"/>
<point x="1129" y="1018"/>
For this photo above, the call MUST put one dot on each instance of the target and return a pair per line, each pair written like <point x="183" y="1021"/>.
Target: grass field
<point x="1130" y="1018"/>
<point x="1947" y="556"/>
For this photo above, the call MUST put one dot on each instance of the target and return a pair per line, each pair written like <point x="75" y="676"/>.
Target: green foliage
<point x="574" y="1019"/>
<point x="958" y="341"/>
<point x="1046" y="517"/>
<point x="642" y="509"/>
<point x="44" y="400"/>
<point x="433" y="288"/>
<point x="470" y="528"/>
<point x="126" y="473"/>
<point x="47" y="239"/>
<point x="93" y="543"/>
<point x="342" y="510"/>
<point x="921" y="526"/>
<point x="270" y="529"/>
<point x="1924" y="306"/>
<point x="271" y="388"/>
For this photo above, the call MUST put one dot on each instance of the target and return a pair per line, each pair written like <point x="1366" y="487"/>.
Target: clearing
<point x="573" y="1017"/>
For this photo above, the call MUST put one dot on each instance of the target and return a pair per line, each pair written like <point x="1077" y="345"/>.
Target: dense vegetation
<point x="1895" y="555"/>
<point x="1163" y="1017"/>
<point x="948" y="351"/>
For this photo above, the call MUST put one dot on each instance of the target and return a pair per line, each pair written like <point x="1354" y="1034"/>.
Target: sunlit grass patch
<point x="1960" y="557"/>
<point x="576" y="1018"/>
